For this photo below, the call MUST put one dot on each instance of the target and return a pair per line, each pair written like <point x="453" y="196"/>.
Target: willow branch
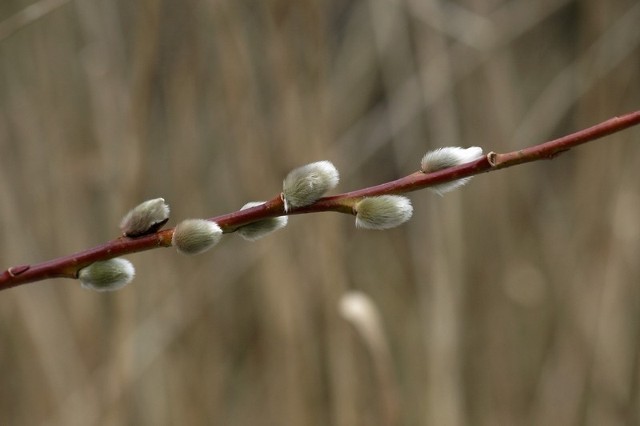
<point x="68" y="266"/>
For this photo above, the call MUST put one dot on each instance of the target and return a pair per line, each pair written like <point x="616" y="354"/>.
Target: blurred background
<point x="513" y="301"/>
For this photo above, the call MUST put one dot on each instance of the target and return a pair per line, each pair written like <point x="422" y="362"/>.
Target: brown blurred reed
<point x="512" y="301"/>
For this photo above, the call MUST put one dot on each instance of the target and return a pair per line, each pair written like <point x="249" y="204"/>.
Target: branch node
<point x="17" y="270"/>
<point x="492" y="158"/>
<point x="554" y="154"/>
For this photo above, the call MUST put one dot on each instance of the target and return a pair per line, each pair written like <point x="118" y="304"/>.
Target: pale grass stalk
<point x="362" y="313"/>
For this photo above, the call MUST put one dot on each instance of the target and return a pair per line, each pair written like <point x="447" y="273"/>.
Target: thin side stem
<point x="28" y="15"/>
<point x="68" y="266"/>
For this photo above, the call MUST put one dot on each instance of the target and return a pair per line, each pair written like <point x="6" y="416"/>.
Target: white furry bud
<point x="256" y="230"/>
<point x="145" y="218"/>
<point x="194" y="236"/>
<point x="107" y="275"/>
<point x="383" y="212"/>
<point x="306" y="184"/>
<point x="443" y="158"/>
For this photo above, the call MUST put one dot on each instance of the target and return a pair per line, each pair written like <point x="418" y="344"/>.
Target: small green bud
<point x="443" y="158"/>
<point x="383" y="212"/>
<point x="306" y="184"/>
<point x="256" y="230"/>
<point x="195" y="236"/>
<point x="145" y="218"/>
<point x="107" y="275"/>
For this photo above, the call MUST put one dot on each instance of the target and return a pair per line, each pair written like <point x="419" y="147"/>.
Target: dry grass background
<point x="514" y="301"/>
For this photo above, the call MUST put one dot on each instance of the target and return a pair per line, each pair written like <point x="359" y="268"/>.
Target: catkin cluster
<point x="302" y="187"/>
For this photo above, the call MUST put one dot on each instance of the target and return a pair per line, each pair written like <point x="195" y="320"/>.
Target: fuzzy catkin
<point x="145" y="218"/>
<point x="107" y="275"/>
<point x="261" y="228"/>
<point x="383" y="211"/>
<point x="195" y="236"/>
<point x="443" y="158"/>
<point x="306" y="184"/>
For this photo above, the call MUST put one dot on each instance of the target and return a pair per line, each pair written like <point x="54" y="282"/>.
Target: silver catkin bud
<point x="443" y="158"/>
<point x="256" y="230"/>
<point x="194" y="236"/>
<point x="107" y="275"/>
<point x="145" y="218"/>
<point x="306" y="184"/>
<point x="383" y="212"/>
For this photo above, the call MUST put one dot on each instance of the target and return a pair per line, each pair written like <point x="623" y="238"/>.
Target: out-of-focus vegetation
<point x="514" y="301"/>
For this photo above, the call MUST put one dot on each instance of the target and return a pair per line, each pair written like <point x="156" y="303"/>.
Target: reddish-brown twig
<point x="68" y="266"/>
